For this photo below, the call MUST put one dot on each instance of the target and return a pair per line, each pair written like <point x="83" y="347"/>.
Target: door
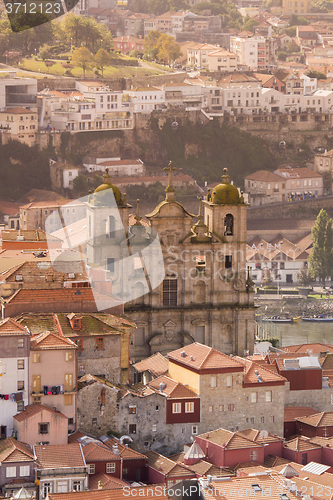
<point x="3" y="431"/>
<point x="289" y="278"/>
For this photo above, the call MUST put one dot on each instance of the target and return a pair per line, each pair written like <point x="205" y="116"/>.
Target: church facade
<point x="207" y="294"/>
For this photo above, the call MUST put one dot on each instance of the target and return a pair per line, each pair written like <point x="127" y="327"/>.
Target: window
<point x="157" y="408"/>
<point x="111" y="227"/>
<point x="68" y="399"/>
<point x="211" y="408"/>
<point x="176" y="407"/>
<point x="99" y="344"/>
<point x="229" y="380"/>
<point x="132" y="409"/>
<point x="94" y="421"/>
<point x="254" y="397"/>
<point x="20" y="406"/>
<point x="189" y="407"/>
<point x="254" y="455"/>
<point x="47" y="488"/>
<point x="77" y="485"/>
<point x="36" y="357"/>
<point x="36" y="383"/>
<point x="79" y="343"/>
<point x="10" y="471"/>
<point x="132" y="428"/>
<point x="268" y="396"/>
<point x="213" y="382"/>
<point x="69" y="356"/>
<point x="262" y="420"/>
<point x="43" y="428"/>
<point x="272" y="418"/>
<point x="231" y="407"/>
<point x="110" y="264"/>
<point x="110" y="468"/>
<point x="228" y="262"/>
<point x="20" y="343"/>
<point x="154" y="429"/>
<point x="194" y="429"/>
<point x="228" y="225"/>
<point x="68" y="382"/>
<point x="221" y="408"/>
<point x="20" y="385"/>
<point x="91" y="469"/>
<point x="24" y="470"/>
<point x="170" y="292"/>
<point x="20" y="364"/>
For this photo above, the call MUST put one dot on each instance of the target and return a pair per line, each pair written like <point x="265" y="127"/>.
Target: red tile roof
<point x="264" y="176"/>
<point x="230" y="440"/>
<point x="107" y="482"/>
<point x="59" y="294"/>
<point x="157" y="365"/>
<point x="255" y="373"/>
<point x="98" y="452"/>
<point x="34" y="409"/>
<point x="50" y="340"/>
<point x="11" y="327"/>
<point x="293" y="412"/>
<point x="171" y="388"/>
<point x="124" y="451"/>
<point x="14" y="451"/>
<point x="301" y="444"/>
<point x="201" y="357"/>
<point x="153" y="492"/>
<point x="59" y="456"/>
<point x="323" y="419"/>
<point x="167" y="467"/>
<point x="316" y="348"/>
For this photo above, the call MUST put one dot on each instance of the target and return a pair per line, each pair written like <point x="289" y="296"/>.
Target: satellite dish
<point x="263" y="434"/>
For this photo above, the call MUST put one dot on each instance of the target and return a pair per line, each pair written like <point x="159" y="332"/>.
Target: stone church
<point x="207" y="293"/>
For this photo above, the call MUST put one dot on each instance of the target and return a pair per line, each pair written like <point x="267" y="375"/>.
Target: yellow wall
<point x="185" y="376"/>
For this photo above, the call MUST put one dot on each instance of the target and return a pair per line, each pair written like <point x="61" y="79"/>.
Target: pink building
<point x="40" y="424"/>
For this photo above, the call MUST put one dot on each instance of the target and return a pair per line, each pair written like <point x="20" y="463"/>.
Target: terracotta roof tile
<point x="114" y="494"/>
<point x="59" y="294"/>
<point x="50" y="340"/>
<point x="14" y="451"/>
<point x="125" y="451"/>
<point x="108" y="482"/>
<point x="272" y="461"/>
<point x="11" y="327"/>
<point x="166" y="466"/>
<point x="300" y="443"/>
<point x="231" y="440"/>
<point x="98" y="452"/>
<point x="264" y="176"/>
<point x="34" y="409"/>
<point x="157" y="365"/>
<point x="59" y="455"/>
<point x="172" y="388"/>
<point x="323" y="419"/>
<point x="315" y="348"/>
<point x="293" y="412"/>
<point x="256" y="373"/>
<point x="199" y="356"/>
<point x="254" y="435"/>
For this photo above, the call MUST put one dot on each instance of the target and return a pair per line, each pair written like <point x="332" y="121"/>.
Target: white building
<point x="222" y="60"/>
<point x="144" y="99"/>
<point x="197" y="55"/>
<point x="16" y="91"/>
<point x="117" y="166"/>
<point x="14" y="370"/>
<point x="251" y="52"/>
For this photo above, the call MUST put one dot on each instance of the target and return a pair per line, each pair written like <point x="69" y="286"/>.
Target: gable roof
<point x="157" y="365"/>
<point x="107" y="482"/>
<point x="300" y="443"/>
<point x="322" y="419"/>
<point x="154" y="492"/>
<point x="230" y="440"/>
<point x="201" y="357"/>
<point x="166" y="466"/>
<point x="14" y="451"/>
<point x="50" y="340"/>
<point x="171" y="388"/>
<point x="11" y="327"/>
<point x="125" y="452"/>
<point x="34" y="409"/>
<point x="291" y="413"/>
<point x="98" y="452"/>
<point x="316" y="348"/>
<point x="59" y="456"/>
<point x="255" y="373"/>
<point x="264" y="176"/>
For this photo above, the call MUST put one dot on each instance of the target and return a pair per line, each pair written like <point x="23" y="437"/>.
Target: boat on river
<point x="277" y="319"/>
<point x="319" y="319"/>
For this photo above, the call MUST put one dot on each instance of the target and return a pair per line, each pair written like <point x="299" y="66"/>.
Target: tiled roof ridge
<point x="13" y="322"/>
<point x="6" y="274"/>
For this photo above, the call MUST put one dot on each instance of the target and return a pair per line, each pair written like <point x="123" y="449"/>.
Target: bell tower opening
<point x="229" y="225"/>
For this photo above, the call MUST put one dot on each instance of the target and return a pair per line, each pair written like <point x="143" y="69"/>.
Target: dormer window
<point x="76" y="324"/>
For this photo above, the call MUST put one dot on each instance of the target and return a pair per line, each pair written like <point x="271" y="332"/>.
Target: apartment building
<point x="197" y="55"/>
<point x="251" y="52"/>
<point x="222" y="60"/>
<point x="17" y="91"/>
<point x="19" y="124"/>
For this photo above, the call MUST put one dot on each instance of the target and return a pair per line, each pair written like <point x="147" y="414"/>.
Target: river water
<point x="302" y="332"/>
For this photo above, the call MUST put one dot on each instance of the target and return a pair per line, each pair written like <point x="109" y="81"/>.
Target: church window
<point x="111" y="227"/>
<point x="228" y="262"/>
<point x="199" y="334"/>
<point x="200" y="264"/>
<point x="110" y="264"/>
<point x="228" y="225"/>
<point x="139" y="337"/>
<point x="200" y="291"/>
<point x="170" y="292"/>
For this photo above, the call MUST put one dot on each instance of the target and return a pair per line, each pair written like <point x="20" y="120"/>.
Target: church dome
<point x="108" y="185"/>
<point x="225" y="193"/>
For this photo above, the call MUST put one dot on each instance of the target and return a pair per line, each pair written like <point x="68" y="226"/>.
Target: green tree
<point x="313" y="73"/>
<point x="168" y="49"/>
<point x="102" y="59"/>
<point x="45" y="52"/>
<point x="304" y="277"/>
<point x="150" y="44"/>
<point x="249" y="24"/>
<point x="321" y="258"/>
<point x="83" y="58"/>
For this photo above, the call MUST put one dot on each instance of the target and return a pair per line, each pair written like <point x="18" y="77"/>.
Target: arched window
<point x="229" y="225"/>
<point x="111" y="227"/>
<point x="200" y="291"/>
